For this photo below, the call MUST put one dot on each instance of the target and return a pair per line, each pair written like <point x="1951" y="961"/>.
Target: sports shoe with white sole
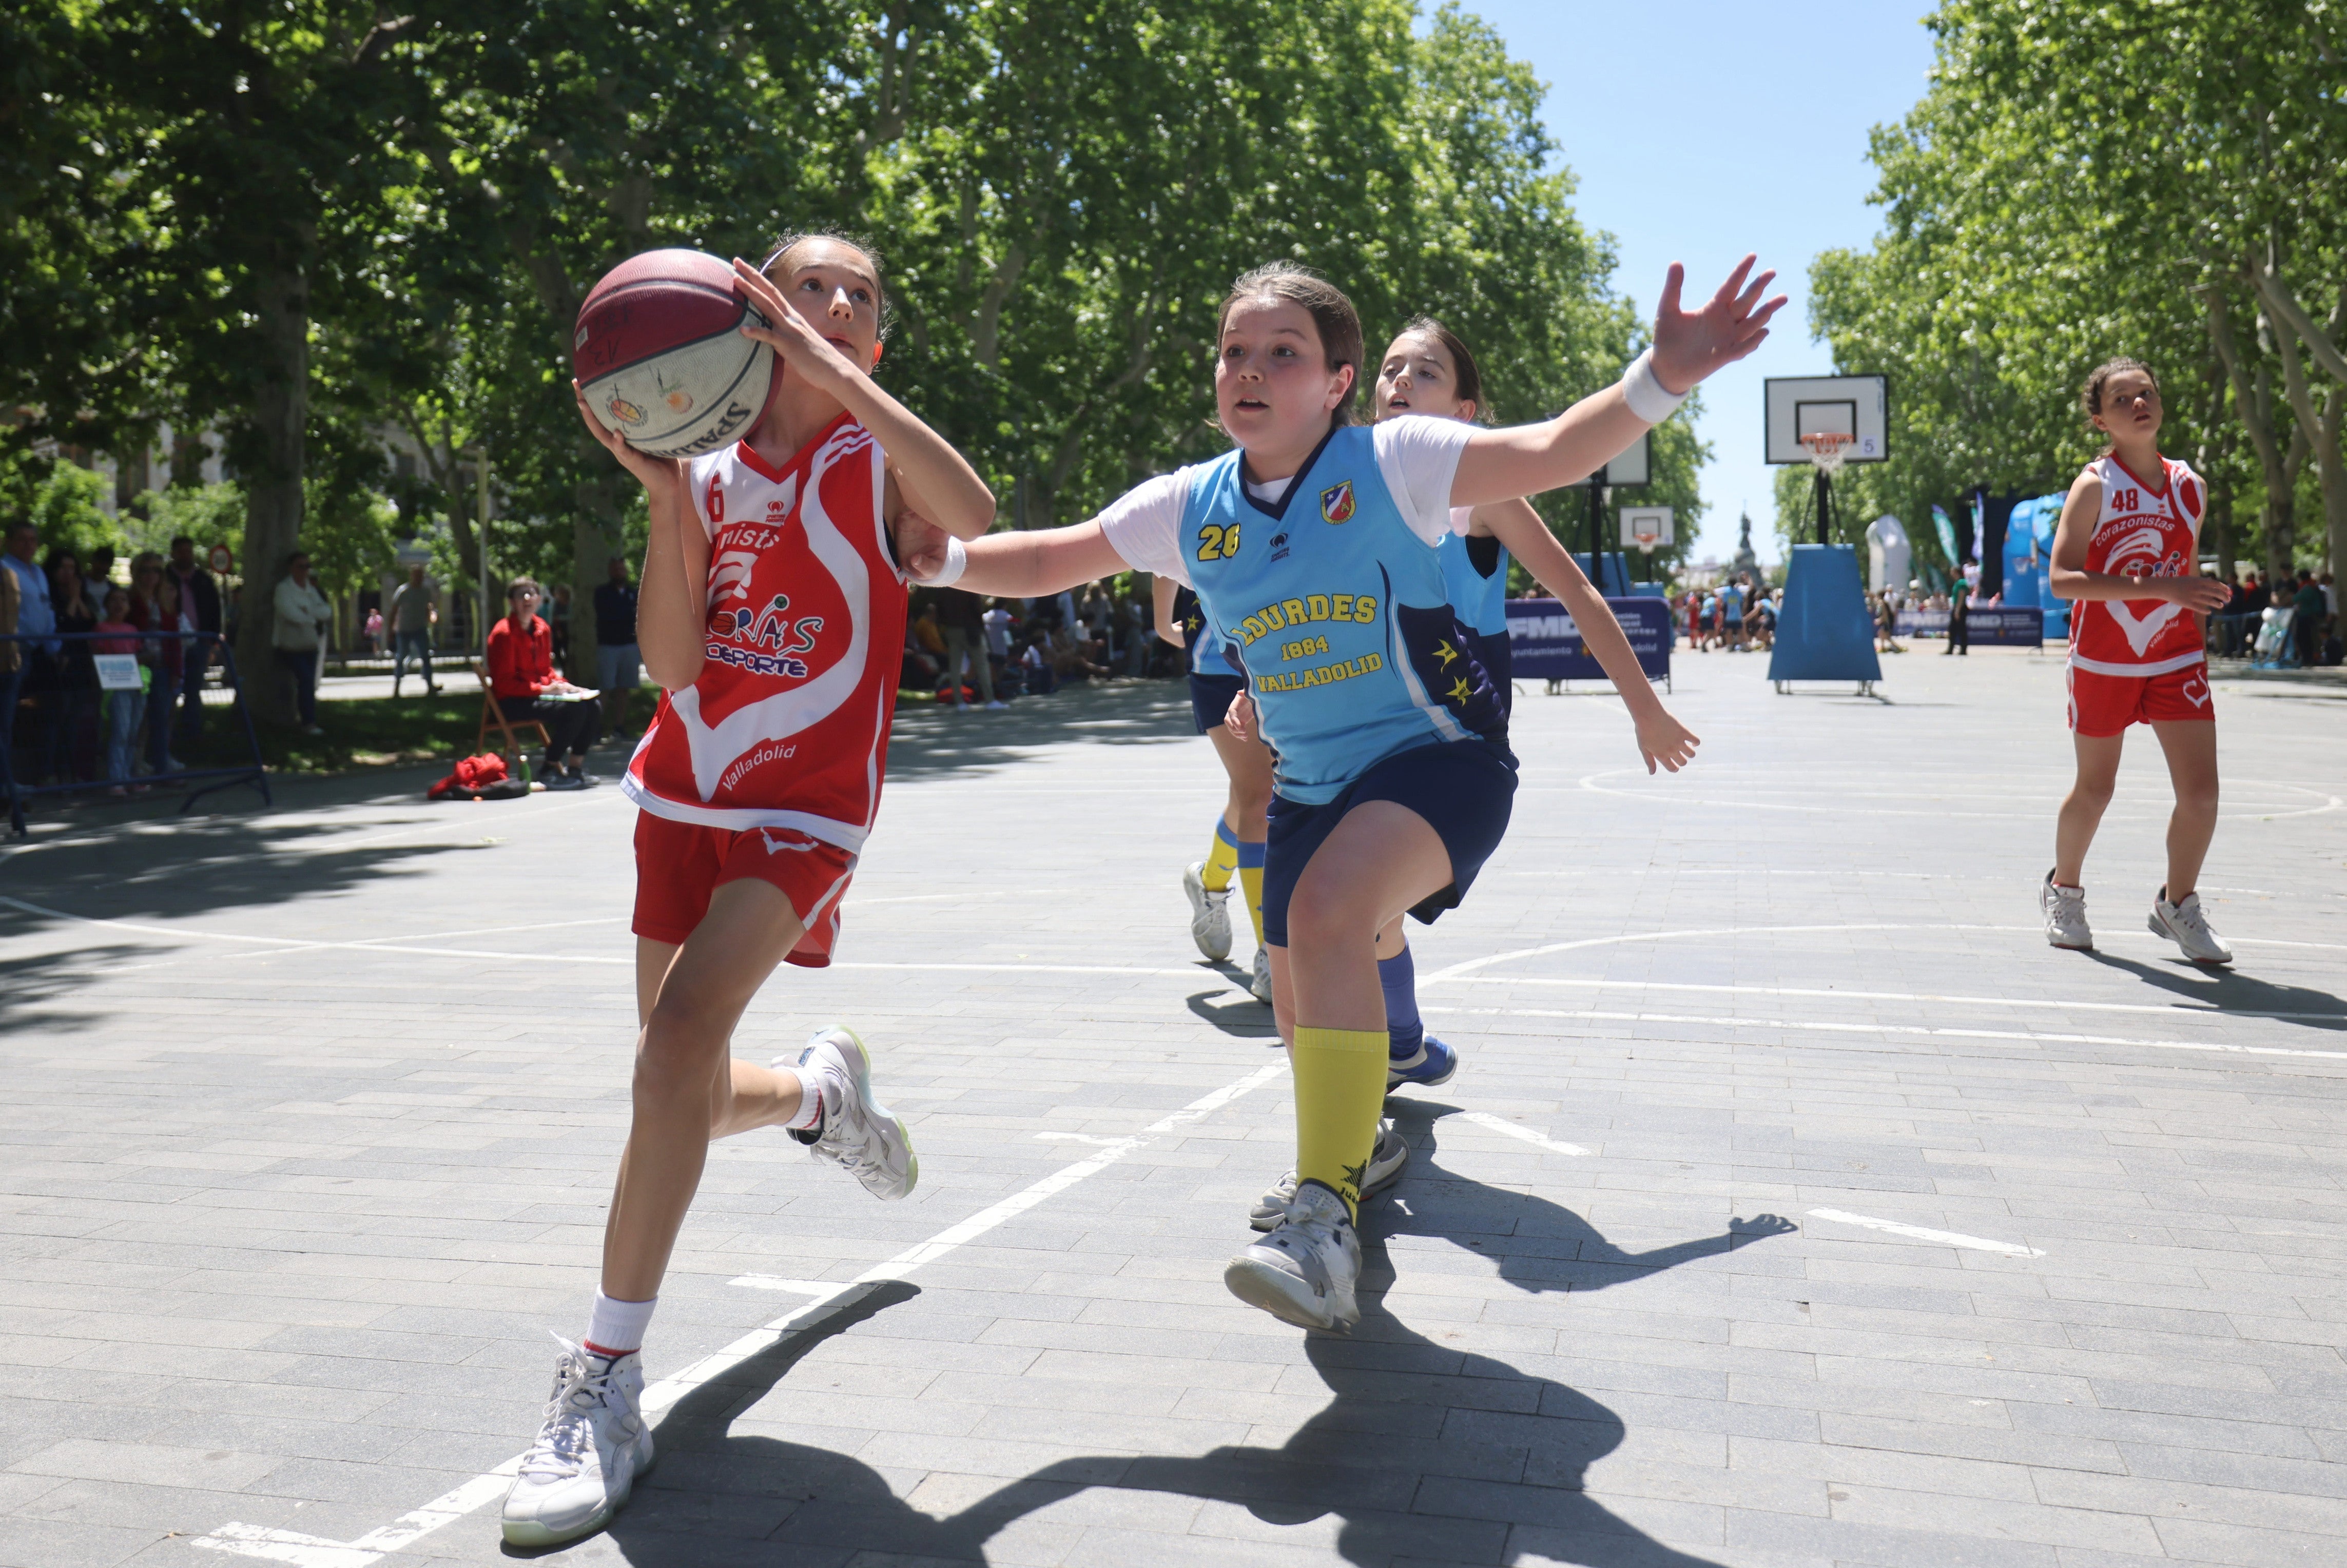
<point x="2184" y="925"/>
<point x="589" y="1451"/>
<point x="1434" y="1064"/>
<point x="1210" y="913"/>
<point x="857" y="1134"/>
<point x="1386" y="1158"/>
<point x="1260" y="983"/>
<point x="2066" y="915"/>
<point x="1304" y="1271"/>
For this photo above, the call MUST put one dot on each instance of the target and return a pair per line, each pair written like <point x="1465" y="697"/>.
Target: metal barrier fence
<point x="76" y="681"/>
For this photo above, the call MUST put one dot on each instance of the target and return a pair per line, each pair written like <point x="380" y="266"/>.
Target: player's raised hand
<point x="1663" y="739"/>
<point x="1690" y="345"/>
<point x="803" y="348"/>
<point x="654" y="471"/>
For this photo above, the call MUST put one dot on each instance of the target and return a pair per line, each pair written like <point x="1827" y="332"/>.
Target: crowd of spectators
<point x="975" y="652"/>
<point x="1737" y="615"/>
<point x="2290" y="619"/>
<point x="61" y="723"/>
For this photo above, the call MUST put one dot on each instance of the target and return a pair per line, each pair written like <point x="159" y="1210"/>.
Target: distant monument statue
<point x="1745" y="559"/>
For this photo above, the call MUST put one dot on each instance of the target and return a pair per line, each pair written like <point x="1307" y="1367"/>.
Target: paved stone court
<point x="309" y="1115"/>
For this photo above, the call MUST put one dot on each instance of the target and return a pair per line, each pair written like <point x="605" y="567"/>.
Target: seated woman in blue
<point x="1312" y="547"/>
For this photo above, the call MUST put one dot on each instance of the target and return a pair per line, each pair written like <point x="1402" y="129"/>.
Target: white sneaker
<point x="857" y="1132"/>
<point x="1304" y="1272"/>
<point x="1386" y="1158"/>
<point x="1261" y="984"/>
<point x="1210" y="913"/>
<point x="997" y="706"/>
<point x="2066" y="915"/>
<point x="592" y="1446"/>
<point x="2184" y="925"/>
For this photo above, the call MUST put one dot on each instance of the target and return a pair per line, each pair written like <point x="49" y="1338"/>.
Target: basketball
<point x="659" y="355"/>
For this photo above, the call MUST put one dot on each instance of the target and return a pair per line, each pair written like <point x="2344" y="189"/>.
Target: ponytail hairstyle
<point x="779" y="257"/>
<point x="2090" y="396"/>
<point x="1333" y="316"/>
<point x="1462" y="358"/>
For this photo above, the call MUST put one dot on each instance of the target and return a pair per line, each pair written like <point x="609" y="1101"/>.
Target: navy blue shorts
<point x="1464" y="790"/>
<point x="1210" y="699"/>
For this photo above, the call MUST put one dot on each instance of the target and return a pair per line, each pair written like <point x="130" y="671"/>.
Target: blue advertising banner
<point x="2007" y="626"/>
<point x="1546" y="644"/>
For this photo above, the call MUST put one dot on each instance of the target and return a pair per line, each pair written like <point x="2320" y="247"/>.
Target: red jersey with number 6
<point x="787" y="726"/>
<point x="2141" y="533"/>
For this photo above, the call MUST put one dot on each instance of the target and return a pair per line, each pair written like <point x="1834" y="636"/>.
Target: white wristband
<point x="1645" y="393"/>
<point x="956" y="562"/>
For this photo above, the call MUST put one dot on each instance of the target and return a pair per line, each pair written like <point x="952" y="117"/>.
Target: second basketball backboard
<point x="1857" y="406"/>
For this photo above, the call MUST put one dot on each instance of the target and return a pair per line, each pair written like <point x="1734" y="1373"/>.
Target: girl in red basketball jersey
<point x="772" y="613"/>
<point x="2128" y="551"/>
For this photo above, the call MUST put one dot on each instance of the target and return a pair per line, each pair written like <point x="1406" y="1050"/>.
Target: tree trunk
<point x="2253" y="406"/>
<point x="596" y="536"/>
<point x="272" y="504"/>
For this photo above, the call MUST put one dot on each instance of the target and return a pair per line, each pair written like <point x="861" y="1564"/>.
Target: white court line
<point x="1842" y="1026"/>
<point x="1514" y="1130"/>
<point x="1472" y="964"/>
<point x="1918" y="1232"/>
<point x="313" y="1552"/>
<point x="2165" y="1009"/>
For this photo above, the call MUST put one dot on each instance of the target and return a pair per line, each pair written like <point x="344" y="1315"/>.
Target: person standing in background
<point x="962" y="623"/>
<point x="124" y="710"/>
<point x="200" y="611"/>
<point x="997" y="621"/>
<point x="73" y="738"/>
<point x="557" y="618"/>
<point x="1960" y="612"/>
<point x="36" y="668"/>
<point x="155" y="607"/>
<point x="618" y="662"/>
<point x="302" y="616"/>
<point x="413" y="612"/>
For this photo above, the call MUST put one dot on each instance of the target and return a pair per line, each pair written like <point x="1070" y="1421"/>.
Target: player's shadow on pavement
<point x="933" y="741"/>
<point x="2230" y="991"/>
<point x="1423" y="1452"/>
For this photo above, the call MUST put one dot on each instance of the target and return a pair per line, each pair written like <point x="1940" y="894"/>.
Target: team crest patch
<point x="1337" y="502"/>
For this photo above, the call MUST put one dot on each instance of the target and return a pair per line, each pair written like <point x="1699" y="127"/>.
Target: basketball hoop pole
<point x="1825" y="502"/>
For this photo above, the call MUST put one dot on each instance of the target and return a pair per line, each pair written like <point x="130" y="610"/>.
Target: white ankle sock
<point x="810" y="1112"/>
<point x="616" y="1327"/>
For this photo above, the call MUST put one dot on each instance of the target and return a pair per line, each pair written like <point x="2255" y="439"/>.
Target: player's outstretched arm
<point x="938" y="481"/>
<point x="668" y="601"/>
<point x="1162" y="591"/>
<point x="2069" y="579"/>
<point x="1689" y="345"/>
<point x="1662" y="739"/>
<point x="1033" y="562"/>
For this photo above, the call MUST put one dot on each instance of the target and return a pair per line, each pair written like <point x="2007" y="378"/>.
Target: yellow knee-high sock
<point x="1222" y="859"/>
<point x="1340" y="1088"/>
<point x="1251" y="881"/>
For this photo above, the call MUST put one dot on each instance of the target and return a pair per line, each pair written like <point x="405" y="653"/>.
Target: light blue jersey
<point x="1211" y="652"/>
<point x="1481" y="602"/>
<point x="1338" y="613"/>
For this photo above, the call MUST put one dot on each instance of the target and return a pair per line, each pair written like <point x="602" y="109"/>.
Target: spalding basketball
<point x="660" y="357"/>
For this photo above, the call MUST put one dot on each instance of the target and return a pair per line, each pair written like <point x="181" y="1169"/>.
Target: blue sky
<point x="1701" y="131"/>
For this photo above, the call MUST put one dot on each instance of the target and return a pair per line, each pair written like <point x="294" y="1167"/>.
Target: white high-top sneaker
<point x="1260" y="982"/>
<point x="1386" y="1158"/>
<point x="857" y="1134"/>
<point x="1210" y="913"/>
<point x="2065" y="915"/>
<point x="592" y="1446"/>
<point x="2184" y="925"/>
<point x="1305" y="1272"/>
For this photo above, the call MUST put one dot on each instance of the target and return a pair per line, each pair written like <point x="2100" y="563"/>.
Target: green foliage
<point x="67" y="510"/>
<point x="207" y="514"/>
<point x="2086" y="178"/>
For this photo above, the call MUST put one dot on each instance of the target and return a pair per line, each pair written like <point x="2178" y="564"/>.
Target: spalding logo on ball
<point x="660" y="357"/>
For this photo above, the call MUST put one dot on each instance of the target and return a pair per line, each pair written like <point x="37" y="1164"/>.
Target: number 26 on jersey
<point x="1218" y="543"/>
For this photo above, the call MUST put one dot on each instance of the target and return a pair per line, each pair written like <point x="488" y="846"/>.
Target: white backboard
<point x="1653" y="523"/>
<point x="1630" y="467"/>
<point x="1855" y="405"/>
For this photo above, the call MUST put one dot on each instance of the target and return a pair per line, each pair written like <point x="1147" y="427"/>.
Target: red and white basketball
<point x="660" y="357"/>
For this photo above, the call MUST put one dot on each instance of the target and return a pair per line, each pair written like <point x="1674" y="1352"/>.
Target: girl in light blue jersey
<point x="1312" y="545"/>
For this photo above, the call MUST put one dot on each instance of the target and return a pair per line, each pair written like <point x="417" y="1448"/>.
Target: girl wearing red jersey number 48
<point x="772" y="612"/>
<point x="2128" y="549"/>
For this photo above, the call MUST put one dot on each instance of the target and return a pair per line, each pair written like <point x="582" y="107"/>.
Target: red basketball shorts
<point x="2106" y="705"/>
<point x="679" y="864"/>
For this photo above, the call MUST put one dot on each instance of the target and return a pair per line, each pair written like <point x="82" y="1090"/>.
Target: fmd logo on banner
<point x="1547" y="645"/>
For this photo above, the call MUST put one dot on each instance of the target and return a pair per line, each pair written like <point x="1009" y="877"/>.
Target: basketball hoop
<point x="1646" y="535"/>
<point x="1829" y="450"/>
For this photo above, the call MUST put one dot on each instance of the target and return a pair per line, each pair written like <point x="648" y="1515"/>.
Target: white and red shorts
<point x="680" y="863"/>
<point x="2104" y="705"/>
